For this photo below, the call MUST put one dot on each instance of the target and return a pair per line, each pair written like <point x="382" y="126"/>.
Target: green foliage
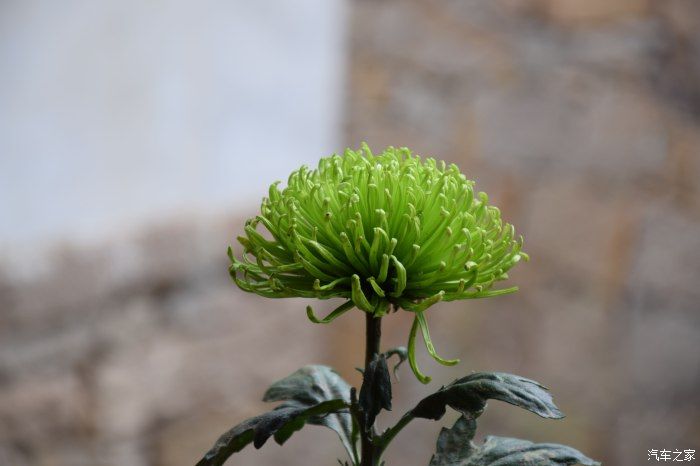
<point x="281" y="422"/>
<point x="387" y="231"/>
<point x="469" y="394"/>
<point x="455" y="448"/>
<point x="313" y="395"/>
<point x="318" y="395"/>
<point x="454" y="444"/>
<point x="312" y="385"/>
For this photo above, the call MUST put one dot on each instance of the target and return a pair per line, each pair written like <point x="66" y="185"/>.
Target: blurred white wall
<point x="117" y="112"/>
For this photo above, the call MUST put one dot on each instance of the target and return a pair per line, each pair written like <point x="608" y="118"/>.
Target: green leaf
<point x="454" y="444"/>
<point x="312" y="395"/>
<point x="375" y="393"/>
<point x="455" y="448"/>
<point x="503" y="451"/>
<point x="281" y="422"/>
<point x="311" y="385"/>
<point x="469" y="394"/>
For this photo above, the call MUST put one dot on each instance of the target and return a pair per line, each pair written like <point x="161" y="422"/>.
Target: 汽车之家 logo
<point x="671" y="455"/>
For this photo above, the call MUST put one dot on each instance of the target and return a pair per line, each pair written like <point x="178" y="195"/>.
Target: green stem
<point x="373" y="334"/>
<point x="356" y="416"/>
<point x="389" y="434"/>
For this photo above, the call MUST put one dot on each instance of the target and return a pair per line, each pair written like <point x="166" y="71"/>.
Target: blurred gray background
<point x="137" y="137"/>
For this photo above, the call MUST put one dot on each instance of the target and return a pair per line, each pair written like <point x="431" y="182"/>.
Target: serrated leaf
<point x="375" y="393"/>
<point x="503" y="451"/>
<point x="311" y="385"/>
<point x="312" y="395"/>
<point x="455" y="448"/>
<point x="454" y="444"/>
<point x="281" y="422"/>
<point x="469" y="394"/>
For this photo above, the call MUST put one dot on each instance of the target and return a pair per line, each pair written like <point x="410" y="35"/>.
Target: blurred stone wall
<point x="581" y="119"/>
<point x="139" y="351"/>
<point x="128" y="130"/>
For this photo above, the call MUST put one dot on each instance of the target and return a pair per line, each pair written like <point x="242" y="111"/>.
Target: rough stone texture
<point x="580" y="118"/>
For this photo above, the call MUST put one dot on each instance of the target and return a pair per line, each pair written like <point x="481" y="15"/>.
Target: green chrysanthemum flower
<point x="382" y="231"/>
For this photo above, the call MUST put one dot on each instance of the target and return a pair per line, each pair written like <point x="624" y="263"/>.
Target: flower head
<point x="378" y="230"/>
